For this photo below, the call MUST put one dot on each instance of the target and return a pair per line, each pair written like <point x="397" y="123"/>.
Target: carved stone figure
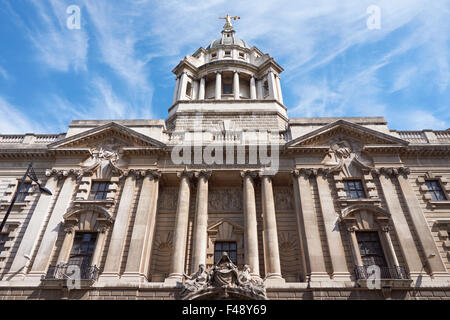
<point x="222" y="280"/>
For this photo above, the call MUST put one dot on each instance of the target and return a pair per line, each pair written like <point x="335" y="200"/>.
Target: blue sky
<point x="118" y="64"/>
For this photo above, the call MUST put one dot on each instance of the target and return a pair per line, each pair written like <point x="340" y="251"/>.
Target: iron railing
<point x="398" y="273"/>
<point x="72" y="271"/>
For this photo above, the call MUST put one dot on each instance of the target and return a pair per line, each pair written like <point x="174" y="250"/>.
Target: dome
<point x="228" y="39"/>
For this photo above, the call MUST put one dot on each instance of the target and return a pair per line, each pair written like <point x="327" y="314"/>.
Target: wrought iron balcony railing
<point x="397" y="273"/>
<point x="64" y="270"/>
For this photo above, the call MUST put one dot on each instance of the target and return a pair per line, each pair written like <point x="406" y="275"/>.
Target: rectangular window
<point x="241" y="55"/>
<point x="3" y="239"/>
<point x="227" y="53"/>
<point x="229" y="247"/>
<point x="227" y="88"/>
<point x="370" y="249"/>
<point x="214" y="55"/>
<point x="189" y="89"/>
<point x="435" y="190"/>
<point x="99" y="190"/>
<point x="83" y="248"/>
<point x="22" y="194"/>
<point x="354" y="189"/>
<point x="266" y="88"/>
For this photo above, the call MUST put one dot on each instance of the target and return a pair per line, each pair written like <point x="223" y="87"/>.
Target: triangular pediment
<point x="112" y="132"/>
<point x="342" y="128"/>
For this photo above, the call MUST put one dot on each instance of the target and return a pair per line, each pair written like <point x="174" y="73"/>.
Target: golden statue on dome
<point x="228" y="18"/>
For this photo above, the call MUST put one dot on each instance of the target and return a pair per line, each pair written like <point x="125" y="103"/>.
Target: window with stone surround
<point x="266" y="88"/>
<point x="3" y="239"/>
<point x="22" y="194"/>
<point x="189" y="89"/>
<point x="354" y="189"/>
<point x="370" y="249"/>
<point x="435" y="190"/>
<point x="227" y="86"/>
<point x="227" y="53"/>
<point x="83" y="248"/>
<point x="225" y="246"/>
<point x="99" y="190"/>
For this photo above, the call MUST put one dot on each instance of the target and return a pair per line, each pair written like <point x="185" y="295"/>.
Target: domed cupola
<point x="227" y="76"/>
<point x="228" y="36"/>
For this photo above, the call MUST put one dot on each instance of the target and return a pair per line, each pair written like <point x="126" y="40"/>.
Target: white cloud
<point x="420" y="119"/>
<point x="13" y="121"/>
<point x="3" y="73"/>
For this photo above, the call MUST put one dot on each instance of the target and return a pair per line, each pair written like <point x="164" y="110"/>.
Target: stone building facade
<point x="303" y="207"/>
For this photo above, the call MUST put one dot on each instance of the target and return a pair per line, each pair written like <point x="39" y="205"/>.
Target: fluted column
<point x="34" y="229"/>
<point x="177" y="268"/>
<point x="119" y="231"/>
<point x="218" y="93"/>
<point x="44" y="253"/>
<point x="310" y="227"/>
<point x="334" y="239"/>
<point x="436" y="265"/>
<point x="137" y="264"/>
<point x="201" y="90"/>
<point x="201" y="221"/>
<point x="250" y="223"/>
<point x="270" y="234"/>
<point x="236" y="85"/>
<point x="252" y="88"/>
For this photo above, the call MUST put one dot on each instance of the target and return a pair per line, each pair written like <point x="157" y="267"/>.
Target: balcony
<point x="63" y="272"/>
<point x="396" y="277"/>
<point x="396" y="273"/>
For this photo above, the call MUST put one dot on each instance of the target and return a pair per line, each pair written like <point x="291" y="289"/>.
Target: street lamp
<point x="30" y="174"/>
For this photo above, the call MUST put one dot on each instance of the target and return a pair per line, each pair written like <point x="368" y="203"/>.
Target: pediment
<point x="112" y="133"/>
<point x="225" y="226"/>
<point x="342" y="129"/>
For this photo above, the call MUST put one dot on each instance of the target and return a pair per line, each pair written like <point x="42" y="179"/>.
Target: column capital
<point x="386" y="228"/>
<point x="351" y="229"/>
<point x="306" y="172"/>
<point x="251" y="173"/>
<point x="185" y="173"/>
<point x="392" y="171"/>
<point x="203" y="173"/>
<point x="61" y="174"/>
<point x="154" y="174"/>
<point x="217" y="72"/>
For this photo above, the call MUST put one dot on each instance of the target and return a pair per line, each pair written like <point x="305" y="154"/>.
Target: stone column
<point x="143" y="229"/>
<point x="201" y="221"/>
<point x="387" y="239"/>
<point x="272" y="85"/>
<point x="236" y="85"/>
<point x="334" y="239"/>
<point x="355" y="247"/>
<point x="436" y="265"/>
<point x="270" y="234"/>
<point x="101" y="237"/>
<point x="218" y="93"/>
<point x="44" y="253"/>
<point x="119" y="232"/>
<point x="34" y="229"/>
<point x="307" y="217"/>
<point x="403" y="231"/>
<point x="181" y="227"/>
<point x="64" y="252"/>
<point x="250" y="223"/>
<point x="175" y="93"/>
<point x="280" y="95"/>
<point x="183" y="83"/>
<point x="252" y="88"/>
<point x="201" y="90"/>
